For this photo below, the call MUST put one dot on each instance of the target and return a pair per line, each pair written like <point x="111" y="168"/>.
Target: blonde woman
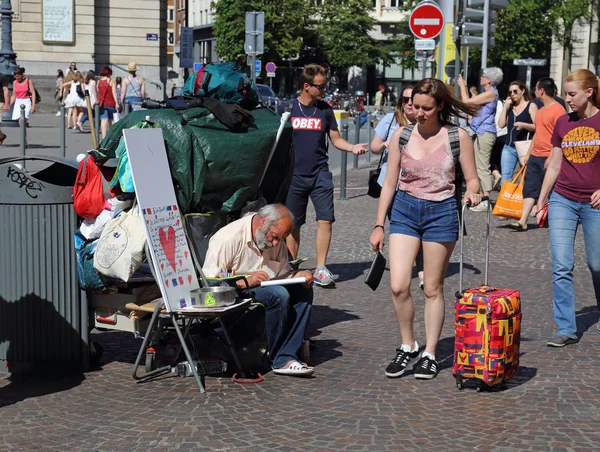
<point x="74" y="101"/>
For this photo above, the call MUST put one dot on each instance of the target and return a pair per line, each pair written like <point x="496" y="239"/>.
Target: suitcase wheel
<point x="479" y="386"/>
<point x="460" y="384"/>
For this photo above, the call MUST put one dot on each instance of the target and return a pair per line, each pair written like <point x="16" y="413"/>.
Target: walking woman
<point x="518" y="116"/>
<point x="107" y="98"/>
<point x="424" y="211"/>
<point x="75" y="100"/>
<point x="573" y="169"/>
<point x="134" y="87"/>
<point x="483" y="125"/>
<point x="60" y="78"/>
<point x="89" y="86"/>
<point x="23" y="94"/>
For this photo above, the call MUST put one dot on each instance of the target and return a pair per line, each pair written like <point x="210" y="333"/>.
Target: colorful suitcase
<point x="487" y="329"/>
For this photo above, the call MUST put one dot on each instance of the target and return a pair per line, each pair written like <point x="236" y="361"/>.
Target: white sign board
<point x="424" y="44"/>
<point x="58" y="21"/>
<point x="529" y="62"/>
<point x="162" y="220"/>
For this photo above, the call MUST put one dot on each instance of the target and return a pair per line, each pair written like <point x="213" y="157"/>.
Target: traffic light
<point x="477" y="15"/>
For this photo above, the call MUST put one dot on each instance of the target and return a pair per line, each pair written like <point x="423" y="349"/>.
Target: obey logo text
<point x="307" y="123"/>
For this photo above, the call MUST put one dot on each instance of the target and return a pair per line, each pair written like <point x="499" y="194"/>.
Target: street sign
<point x="270" y="74"/>
<point x="426" y="20"/>
<point x="257" y="67"/>
<point x="529" y="62"/>
<point x="424" y="44"/>
<point x="494" y="4"/>
<point x="197" y="67"/>
<point x="151" y="36"/>
<point x="186" y="47"/>
<point x="255" y="33"/>
<point x="424" y="55"/>
<point x="270" y="67"/>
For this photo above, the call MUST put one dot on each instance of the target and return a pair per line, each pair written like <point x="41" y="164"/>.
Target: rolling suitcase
<point x="487" y="328"/>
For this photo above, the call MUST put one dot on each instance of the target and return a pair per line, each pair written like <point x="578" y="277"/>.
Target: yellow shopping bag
<point x="510" y="200"/>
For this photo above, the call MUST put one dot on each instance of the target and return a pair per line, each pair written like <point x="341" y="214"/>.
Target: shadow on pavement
<point x="454" y="269"/>
<point x="586" y="318"/>
<point x="349" y="271"/>
<point x="21" y="389"/>
<point x="325" y="351"/>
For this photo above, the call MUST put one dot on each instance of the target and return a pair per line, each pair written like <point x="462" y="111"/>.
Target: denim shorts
<point x="107" y="112"/>
<point x="319" y="188"/>
<point x="430" y="221"/>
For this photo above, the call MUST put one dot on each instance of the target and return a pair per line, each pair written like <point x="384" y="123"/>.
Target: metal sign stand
<point x="255" y="39"/>
<point x="529" y="62"/>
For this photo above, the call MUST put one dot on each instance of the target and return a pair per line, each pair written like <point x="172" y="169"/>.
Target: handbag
<point x="121" y="246"/>
<point x="79" y="91"/>
<point x="510" y="200"/>
<point x="542" y="221"/>
<point x="376" y="271"/>
<point x="374" y="190"/>
<point x="38" y="98"/>
<point x="522" y="148"/>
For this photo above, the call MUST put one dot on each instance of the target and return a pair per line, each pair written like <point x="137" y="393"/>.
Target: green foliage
<point x="284" y="25"/>
<point x="565" y="14"/>
<point x="522" y="30"/>
<point x="343" y="29"/>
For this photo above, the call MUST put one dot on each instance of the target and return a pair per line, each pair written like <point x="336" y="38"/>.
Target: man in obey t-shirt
<point x="312" y="121"/>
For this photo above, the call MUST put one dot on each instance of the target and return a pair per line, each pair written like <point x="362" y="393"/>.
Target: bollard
<point x="23" y="131"/>
<point x="63" y="126"/>
<point x="344" y="165"/>
<point x="356" y="139"/>
<point x="97" y="122"/>
<point x="370" y="135"/>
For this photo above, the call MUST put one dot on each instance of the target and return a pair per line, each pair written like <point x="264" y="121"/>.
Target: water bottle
<point x="183" y="369"/>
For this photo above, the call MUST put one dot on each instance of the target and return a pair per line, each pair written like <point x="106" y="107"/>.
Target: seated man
<point x="255" y="245"/>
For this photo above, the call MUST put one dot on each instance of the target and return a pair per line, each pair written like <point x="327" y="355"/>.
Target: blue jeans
<point x="508" y="163"/>
<point x="563" y="216"/>
<point x="287" y="313"/>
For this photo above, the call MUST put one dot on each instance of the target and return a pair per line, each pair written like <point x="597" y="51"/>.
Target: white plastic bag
<point x="92" y="228"/>
<point x="121" y="246"/>
<point x="116" y="116"/>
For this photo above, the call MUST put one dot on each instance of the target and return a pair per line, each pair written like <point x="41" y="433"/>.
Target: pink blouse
<point x="431" y="177"/>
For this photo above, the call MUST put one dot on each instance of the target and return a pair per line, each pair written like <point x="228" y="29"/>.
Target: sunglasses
<point x="320" y="86"/>
<point x="406" y="100"/>
<point x="515" y="91"/>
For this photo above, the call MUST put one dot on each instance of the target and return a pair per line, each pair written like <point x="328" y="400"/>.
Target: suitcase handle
<point x="462" y="239"/>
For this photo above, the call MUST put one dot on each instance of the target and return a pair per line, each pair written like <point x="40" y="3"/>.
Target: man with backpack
<point x="313" y="121"/>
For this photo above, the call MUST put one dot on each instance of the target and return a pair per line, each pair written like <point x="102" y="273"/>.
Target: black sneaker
<point x="426" y="368"/>
<point x="402" y="360"/>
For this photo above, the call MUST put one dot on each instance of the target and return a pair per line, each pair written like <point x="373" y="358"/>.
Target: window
<point x="201" y="23"/>
<point x="395" y="3"/>
<point x="170" y="37"/>
<point x="170" y="15"/>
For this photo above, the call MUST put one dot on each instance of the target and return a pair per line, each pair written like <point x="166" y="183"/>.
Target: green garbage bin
<point x="43" y="313"/>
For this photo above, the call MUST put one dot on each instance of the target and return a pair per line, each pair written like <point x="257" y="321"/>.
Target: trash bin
<point x="43" y="315"/>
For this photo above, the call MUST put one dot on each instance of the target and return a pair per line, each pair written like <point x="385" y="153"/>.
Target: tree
<point x="343" y="29"/>
<point x="566" y="14"/>
<point x="522" y="31"/>
<point x="284" y="25"/>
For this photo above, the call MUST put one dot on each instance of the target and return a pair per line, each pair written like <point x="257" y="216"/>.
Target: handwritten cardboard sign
<point x="162" y="219"/>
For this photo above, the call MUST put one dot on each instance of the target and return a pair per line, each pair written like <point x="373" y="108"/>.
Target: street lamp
<point x="8" y="57"/>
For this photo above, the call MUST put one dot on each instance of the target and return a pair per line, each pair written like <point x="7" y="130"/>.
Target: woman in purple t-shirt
<point x="573" y="173"/>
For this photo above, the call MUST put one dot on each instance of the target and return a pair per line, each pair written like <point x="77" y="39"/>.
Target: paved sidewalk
<point x="551" y="405"/>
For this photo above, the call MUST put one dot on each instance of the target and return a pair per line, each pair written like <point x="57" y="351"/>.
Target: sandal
<point x="295" y="369"/>
<point x="518" y="227"/>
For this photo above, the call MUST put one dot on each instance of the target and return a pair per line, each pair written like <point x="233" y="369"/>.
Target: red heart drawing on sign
<point x="180" y="263"/>
<point x="167" y="241"/>
<point x="167" y="282"/>
<point x="177" y="222"/>
<point x="189" y="279"/>
<point x="162" y="266"/>
<point x="186" y="254"/>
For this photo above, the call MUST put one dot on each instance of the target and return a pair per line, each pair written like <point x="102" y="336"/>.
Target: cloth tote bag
<point x="522" y="148"/>
<point x="510" y="200"/>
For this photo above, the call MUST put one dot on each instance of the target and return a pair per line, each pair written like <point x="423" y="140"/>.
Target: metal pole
<point x="368" y="103"/>
<point x="528" y="78"/>
<point x="23" y="131"/>
<point x="486" y="29"/>
<point x="63" y="125"/>
<point x="458" y="23"/>
<point x="253" y="68"/>
<point x="466" y="62"/>
<point x="356" y="140"/>
<point x="370" y="135"/>
<point x="97" y="122"/>
<point x="424" y="69"/>
<point x="447" y="7"/>
<point x="344" y="165"/>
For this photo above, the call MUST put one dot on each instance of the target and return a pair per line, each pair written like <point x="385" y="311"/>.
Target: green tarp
<point x="214" y="169"/>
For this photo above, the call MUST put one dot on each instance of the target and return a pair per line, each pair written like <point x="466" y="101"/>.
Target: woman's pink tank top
<point x="22" y="89"/>
<point x="431" y="177"/>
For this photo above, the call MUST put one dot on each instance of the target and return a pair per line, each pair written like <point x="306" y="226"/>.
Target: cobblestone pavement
<point x="551" y="405"/>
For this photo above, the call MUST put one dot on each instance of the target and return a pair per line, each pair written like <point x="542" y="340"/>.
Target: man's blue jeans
<point x="563" y="216"/>
<point x="508" y="163"/>
<point x="287" y="313"/>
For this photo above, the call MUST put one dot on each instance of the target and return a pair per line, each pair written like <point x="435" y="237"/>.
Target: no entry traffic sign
<point x="426" y="20"/>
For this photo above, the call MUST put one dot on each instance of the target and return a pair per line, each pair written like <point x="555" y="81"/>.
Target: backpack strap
<point x="405" y="134"/>
<point x="454" y="139"/>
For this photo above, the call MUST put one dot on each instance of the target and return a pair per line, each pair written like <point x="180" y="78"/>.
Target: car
<point x="268" y="96"/>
